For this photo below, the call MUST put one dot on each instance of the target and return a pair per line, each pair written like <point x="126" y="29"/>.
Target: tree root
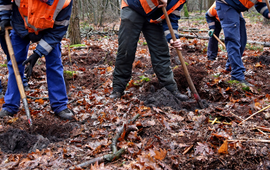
<point x="124" y="131"/>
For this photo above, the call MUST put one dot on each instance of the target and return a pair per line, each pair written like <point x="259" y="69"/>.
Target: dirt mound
<point x="164" y="98"/>
<point x="16" y="141"/>
<point x="265" y="58"/>
<point x="196" y="74"/>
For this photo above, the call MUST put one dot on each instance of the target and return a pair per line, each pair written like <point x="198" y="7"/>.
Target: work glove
<point x="211" y="32"/>
<point x="32" y="61"/>
<point x="4" y="23"/>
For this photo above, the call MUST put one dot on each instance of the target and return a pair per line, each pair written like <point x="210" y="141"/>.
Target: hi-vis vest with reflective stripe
<point x="249" y="3"/>
<point x="212" y="12"/>
<point x="149" y="6"/>
<point x="38" y="15"/>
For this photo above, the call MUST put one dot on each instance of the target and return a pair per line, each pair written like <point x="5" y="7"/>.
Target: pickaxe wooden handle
<point x="220" y="41"/>
<point x="190" y="82"/>
<point x="267" y="4"/>
<point x="17" y="75"/>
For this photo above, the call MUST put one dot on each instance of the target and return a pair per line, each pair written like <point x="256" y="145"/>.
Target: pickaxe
<point x="17" y="75"/>
<point x="190" y="82"/>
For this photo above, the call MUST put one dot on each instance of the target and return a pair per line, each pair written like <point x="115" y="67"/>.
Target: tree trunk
<point x="74" y="27"/>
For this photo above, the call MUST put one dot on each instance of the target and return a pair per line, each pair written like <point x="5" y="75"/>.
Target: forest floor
<point x="154" y="129"/>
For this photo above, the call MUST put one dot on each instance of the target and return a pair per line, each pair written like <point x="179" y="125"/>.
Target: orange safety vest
<point x="249" y="3"/>
<point x="212" y="12"/>
<point x="38" y="15"/>
<point x="150" y="5"/>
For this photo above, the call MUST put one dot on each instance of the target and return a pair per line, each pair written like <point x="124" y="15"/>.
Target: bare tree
<point x="74" y="27"/>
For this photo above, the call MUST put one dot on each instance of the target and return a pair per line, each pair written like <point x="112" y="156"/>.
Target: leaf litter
<point x="169" y="134"/>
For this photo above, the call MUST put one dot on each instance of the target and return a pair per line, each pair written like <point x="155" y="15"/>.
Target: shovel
<point x="190" y="82"/>
<point x="17" y="75"/>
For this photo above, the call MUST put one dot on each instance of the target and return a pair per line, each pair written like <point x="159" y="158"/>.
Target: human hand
<point x="4" y="23"/>
<point x="32" y="61"/>
<point x="176" y="44"/>
<point x="162" y="3"/>
<point x="211" y="32"/>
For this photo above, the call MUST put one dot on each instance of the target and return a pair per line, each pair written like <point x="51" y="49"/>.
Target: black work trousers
<point x="132" y="24"/>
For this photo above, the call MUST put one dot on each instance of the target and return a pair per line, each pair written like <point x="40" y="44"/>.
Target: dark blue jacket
<point x="50" y="37"/>
<point x="260" y="7"/>
<point x="157" y="13"/>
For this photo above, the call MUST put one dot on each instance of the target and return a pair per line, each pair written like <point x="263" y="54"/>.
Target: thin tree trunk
<point x="74" y="27"/>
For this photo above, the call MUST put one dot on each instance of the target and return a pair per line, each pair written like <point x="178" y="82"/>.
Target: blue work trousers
<point x="5" y="49"/>
<point x="233" y="25"/>
<point x="54" y="70"/>
<point x="212" y="50"/>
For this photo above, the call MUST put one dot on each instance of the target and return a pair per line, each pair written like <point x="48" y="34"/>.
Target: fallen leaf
<point x="223" y="148"/>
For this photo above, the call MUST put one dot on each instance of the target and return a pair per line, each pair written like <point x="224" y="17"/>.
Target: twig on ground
<point x="254" y="114"/>
<point x="105" y="158"/>
<point x="37" y="98"/>
<point x="115" y="153"/>
<point x="187" y="149"/>
<point x="253" y="140"/>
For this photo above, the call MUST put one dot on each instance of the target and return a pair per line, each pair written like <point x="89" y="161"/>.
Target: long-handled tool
<point x="220" y="41"/>
<point x="190" y="82"/>
<point x="17" y="75"/>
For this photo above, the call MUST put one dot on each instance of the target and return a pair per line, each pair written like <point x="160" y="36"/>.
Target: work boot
<point x="116" y="95"/>
<point x="179" y="96"/>
<point x="66" y="114"/>
<point x="4" y="113"/>
<point x="245" y="83"/>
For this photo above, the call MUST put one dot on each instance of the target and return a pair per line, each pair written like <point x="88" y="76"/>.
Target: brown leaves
<point x="203" y="149"/>
<point x="161" y="154"/>
<point x="223" y="148"/>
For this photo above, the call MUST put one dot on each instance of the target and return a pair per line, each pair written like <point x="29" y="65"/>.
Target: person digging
<point x="137" y="18"/>
<point x="48" y="33"/>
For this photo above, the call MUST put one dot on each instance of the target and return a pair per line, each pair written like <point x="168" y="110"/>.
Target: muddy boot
<point x="116" y="95"/>
<point x="180" y="96"/>
<point x="66" y="114"/>
<point x="4" y="113"/>
<point x="245" y="83"/>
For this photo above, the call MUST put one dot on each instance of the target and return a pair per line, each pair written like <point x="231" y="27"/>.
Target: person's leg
<point x="243" y="35"/>
<point x="230" y="21"/>
<point x="160" y="56"/>
<point x="55" y="79"/>
<point x="130" y="28"/>
<point x="12" y="96"/>
<point x="212" y="50"/>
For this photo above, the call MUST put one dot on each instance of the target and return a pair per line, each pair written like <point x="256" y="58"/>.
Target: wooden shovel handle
<point x="189" y="80"/>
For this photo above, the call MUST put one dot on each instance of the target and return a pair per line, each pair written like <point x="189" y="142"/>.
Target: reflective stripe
<point x="31" y="26"/>
<point x="18" y="2"/>
<point x="58" y="8"/>
<point x="125" y="1"/>
<point x="209" y="13"/>
<point x="64" y="22"/>
<point x="167" y="32"/>
<point x="176" y="12"/>
<point x="5" y="7"/>
<point x="151" y="4"/>
<point x="263" y="10"/>
<point x="45" y="45"/>
<point x="211" y="24"/>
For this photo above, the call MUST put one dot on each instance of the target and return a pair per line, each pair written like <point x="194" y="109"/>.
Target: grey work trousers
<point x="131" y="26"/>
